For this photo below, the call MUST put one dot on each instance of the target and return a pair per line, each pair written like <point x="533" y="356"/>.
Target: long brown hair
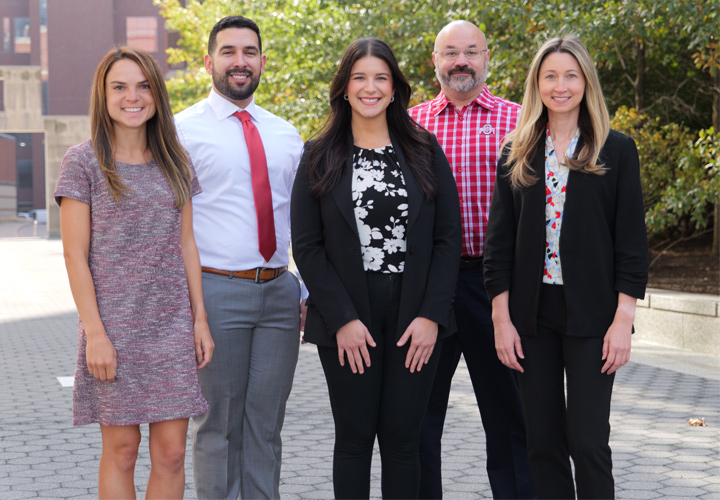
<point x="593" y="121"/>
<point x="330" y="149"/>
<point x="162" y="137"/>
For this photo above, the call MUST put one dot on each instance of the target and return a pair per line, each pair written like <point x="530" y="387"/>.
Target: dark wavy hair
<point x="330" y="148"/>
<point x="232" y="22"/>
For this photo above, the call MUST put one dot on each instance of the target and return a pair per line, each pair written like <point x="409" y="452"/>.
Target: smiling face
<point x="370" y="88"/>
<point x="236" y="65"/>
<point x="461" y="74"/>
<point x="561" y="83"/>
<point x="129" y="98"/>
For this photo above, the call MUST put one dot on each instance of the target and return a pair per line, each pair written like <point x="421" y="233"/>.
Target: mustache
<point x="461" y="69"/>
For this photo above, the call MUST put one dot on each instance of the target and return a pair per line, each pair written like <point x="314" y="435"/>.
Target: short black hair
<point x="232" y="22"/>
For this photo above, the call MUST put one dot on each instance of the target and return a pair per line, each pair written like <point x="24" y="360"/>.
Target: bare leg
<point x="117" y="464"/>
<point x="167" y="456"/>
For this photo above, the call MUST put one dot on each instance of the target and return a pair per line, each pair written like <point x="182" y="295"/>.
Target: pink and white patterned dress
<point x="137" y="268"/>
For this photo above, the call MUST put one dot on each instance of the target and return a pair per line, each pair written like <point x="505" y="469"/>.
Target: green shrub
<point x="680" y="172"/>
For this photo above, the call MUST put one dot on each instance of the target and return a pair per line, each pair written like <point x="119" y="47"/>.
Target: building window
<point x="142" y="33"/>
<point x="22" y="35"/>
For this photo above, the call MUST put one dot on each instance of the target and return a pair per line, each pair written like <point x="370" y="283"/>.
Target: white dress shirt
<point x="224" y="217"/>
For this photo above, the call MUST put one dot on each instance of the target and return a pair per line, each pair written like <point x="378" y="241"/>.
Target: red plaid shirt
<point x="471" y="139"/>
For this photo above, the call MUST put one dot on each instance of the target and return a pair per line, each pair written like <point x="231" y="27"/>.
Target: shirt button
<point x="462" y="202"/>
<point x="458" y="170"/>
<point x="458" y="142"/>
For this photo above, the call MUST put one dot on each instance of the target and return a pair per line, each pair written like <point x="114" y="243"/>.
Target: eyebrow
<point x="246" y="47"/>
<point x="124" y="83"/>
<point x="363" y="73"/>
<point x="471" y="46"/>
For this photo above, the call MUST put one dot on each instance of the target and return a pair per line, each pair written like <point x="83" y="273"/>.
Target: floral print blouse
<point x="381" y="208"/>
<point x="556" y="178"/>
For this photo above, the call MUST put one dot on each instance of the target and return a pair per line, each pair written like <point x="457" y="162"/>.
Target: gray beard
<point x="465" y="84"/>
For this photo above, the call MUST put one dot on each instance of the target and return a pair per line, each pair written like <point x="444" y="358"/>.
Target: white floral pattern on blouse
<point x="381" y="208"/>
<point x="556" y="178"/>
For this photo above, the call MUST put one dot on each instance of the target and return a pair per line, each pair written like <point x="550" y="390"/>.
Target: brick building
<point x="49" y="50"/>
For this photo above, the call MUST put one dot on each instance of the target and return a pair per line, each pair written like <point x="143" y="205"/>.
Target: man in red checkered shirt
<point x="470" y="124"/>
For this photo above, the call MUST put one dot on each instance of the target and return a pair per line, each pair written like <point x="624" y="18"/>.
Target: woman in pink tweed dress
<point x="134" y="270"/>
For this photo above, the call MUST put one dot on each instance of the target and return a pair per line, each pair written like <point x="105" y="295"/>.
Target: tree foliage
<point x="659" y="57"/>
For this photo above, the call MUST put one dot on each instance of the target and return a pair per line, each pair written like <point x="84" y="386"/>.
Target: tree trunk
<point x="640" y="78"/>
<point x="716" y="231"/>
<point x="716" y="125"/>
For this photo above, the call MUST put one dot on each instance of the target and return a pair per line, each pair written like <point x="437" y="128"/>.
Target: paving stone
<point x="677" y="492"/>
<point x="18" y="495"/>
<point x="641" y="485"/>
<point x="639" y="494"/>
<point x="656" y="453"/>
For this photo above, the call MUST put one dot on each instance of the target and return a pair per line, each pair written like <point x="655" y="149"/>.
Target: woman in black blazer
<point x="565" y="262"/>
<point x="376" y="236"/>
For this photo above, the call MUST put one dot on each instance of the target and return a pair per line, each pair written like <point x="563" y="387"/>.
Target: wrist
<point x="94" y="332"/>
<point x="199" y="315"/>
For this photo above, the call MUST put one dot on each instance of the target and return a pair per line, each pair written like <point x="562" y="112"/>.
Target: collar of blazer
<point x="341" y="193"/>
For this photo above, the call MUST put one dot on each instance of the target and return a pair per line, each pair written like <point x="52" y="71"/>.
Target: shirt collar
<point x="485" y="100"/>
<point x="550" y="148"/>
<point x="224" y="108"/>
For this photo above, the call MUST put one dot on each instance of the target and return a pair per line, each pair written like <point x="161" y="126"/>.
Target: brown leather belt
<point x="258" y="275"/>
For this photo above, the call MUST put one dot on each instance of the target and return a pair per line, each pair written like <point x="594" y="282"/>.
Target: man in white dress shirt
<point x="253" y="304"/>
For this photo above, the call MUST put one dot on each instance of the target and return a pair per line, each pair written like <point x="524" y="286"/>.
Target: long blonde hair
<point x="162" y="137"/>
<point x="593" y="121"/>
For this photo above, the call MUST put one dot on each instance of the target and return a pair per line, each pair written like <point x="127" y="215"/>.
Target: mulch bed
<point x="687" y="267"/>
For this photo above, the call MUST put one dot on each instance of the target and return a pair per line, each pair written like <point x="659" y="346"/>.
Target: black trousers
<point x="496" y="393"/>
<point x="560" y="426"/>
<point x="386" y="401"/>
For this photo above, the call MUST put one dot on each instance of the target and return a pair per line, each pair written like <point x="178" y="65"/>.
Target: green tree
<point x="660" y="57"/>
<point x="304" y="42"/>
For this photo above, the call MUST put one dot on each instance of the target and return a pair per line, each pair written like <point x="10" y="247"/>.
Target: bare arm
<point x="204" y="344"/>
<point x="507" y="340"/>
<point x="101" y="356"/>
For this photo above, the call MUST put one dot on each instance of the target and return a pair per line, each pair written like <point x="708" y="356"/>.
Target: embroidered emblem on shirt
<point x="487" y="129"/>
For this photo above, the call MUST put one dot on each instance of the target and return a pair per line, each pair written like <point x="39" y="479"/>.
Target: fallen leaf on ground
<point x="697" y="422"/>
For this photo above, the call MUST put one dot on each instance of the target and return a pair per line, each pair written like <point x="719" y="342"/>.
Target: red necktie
<point x="261" y="187"/>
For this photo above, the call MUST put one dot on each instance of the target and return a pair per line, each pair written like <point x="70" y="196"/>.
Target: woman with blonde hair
<point x="565" y="262"/>
<point x="134" y="271"/>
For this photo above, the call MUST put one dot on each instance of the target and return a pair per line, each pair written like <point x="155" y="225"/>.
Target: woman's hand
<point x="352" y="340"/>
<point x="204" y="344"/>
<point x="507" y="340"/>
<point x="508" y="345"/>
<point x="423" y="333"/>
<point x="618" y="339"/>
<point x="616" y="347"/>
<point x="101" y="357"/>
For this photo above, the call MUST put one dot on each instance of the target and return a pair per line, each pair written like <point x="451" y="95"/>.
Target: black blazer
<point x="326" y="249"/>
<point x="603" y="243"/>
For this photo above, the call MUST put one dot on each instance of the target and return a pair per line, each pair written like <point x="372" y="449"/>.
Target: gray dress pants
<point x="236" y="444"/>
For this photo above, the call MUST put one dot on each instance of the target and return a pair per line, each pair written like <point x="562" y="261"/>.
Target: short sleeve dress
<point x="137" y="268"/>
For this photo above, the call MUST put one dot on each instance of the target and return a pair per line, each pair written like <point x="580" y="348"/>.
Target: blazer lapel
<point x="342" y="193"/>
<point x="536" y="192"/>
<point x="415" y="197"/>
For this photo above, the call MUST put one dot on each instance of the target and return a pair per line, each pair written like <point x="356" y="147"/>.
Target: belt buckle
<point x="258" y="270"/>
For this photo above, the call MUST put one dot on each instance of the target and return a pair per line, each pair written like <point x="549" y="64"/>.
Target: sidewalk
<point x="657" y="455"/>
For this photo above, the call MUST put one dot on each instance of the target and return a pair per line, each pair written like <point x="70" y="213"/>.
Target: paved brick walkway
<point x="657" y="454"/>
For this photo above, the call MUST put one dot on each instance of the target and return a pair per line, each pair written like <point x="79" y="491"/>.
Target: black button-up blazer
<point x="603" y="240"/>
